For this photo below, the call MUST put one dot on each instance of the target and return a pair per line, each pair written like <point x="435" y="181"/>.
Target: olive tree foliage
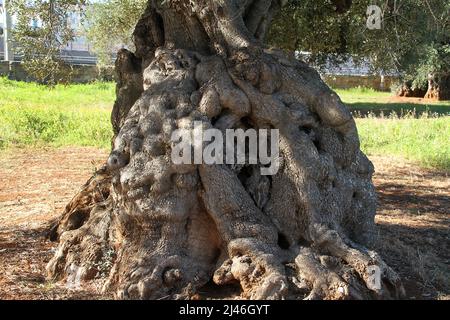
<point x="109" y="24"/>
<point x="413" y="39"/>
<point x="41" y="30"/>
<point x="434" y="63"/>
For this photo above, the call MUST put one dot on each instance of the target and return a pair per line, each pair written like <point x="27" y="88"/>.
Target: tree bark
<point x="406" y="90"/>
<point x="438" y="87"/>
<point x="168" y="230"/>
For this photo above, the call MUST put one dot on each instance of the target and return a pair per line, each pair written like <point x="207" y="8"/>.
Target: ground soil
<point x="397" y="99"/>
<point x="36" y="184"/>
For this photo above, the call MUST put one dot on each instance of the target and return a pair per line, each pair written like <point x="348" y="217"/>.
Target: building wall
<point x="82" y="74"/>
<point x="4" y="68"/>
<point x="352" y="81"/>
<point x="88" y="73"/>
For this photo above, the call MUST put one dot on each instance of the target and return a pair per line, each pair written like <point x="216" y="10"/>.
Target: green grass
<point x="78" y="115"/>
<point x="33" y="115"/>
<point x="424" y="140"/>
<point x="19" y="94"/>
<point x="361" y="94"/>
<point x="363" y="101"/>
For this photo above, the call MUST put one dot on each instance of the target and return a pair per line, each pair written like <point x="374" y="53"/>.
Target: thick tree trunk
<point x="438" y="87"/>
<point x="167" y="230"/>
<point x="406" y="90"/>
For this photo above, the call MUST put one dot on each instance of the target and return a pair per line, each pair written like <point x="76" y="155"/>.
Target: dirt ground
<point x="413" y="220"/>
<point x="397" y="99"/>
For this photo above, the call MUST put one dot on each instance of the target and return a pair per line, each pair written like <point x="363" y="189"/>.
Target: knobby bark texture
<point x="167" y="231"/>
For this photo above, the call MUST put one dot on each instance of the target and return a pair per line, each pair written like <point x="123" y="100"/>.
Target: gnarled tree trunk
<point x="167" y="230"/>
<point x="406" y="90"/>
<point x="438" y="87"/>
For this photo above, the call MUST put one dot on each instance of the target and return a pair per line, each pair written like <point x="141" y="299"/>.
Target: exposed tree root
<point x="78" y="211"/>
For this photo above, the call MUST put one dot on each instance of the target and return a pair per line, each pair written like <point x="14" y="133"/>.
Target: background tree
<point x="168" y="230"/>
<point x="413" y="40"/>
<point x="110" y="24"/>
<point x="41" y="31"/>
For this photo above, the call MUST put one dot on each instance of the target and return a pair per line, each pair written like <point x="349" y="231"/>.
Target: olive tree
<point x="169" y="229"/>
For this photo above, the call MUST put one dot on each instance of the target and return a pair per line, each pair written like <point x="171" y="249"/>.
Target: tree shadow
<point x="419" y="253"/>
<point x="413" y="199"/>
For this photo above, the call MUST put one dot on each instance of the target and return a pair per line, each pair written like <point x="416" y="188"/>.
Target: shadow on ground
<point x="413" y="221"/>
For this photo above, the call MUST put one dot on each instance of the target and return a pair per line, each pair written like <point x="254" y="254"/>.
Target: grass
<point x="33" y="115"/>
<point x="363" y="101"/>
<point x="361" y="94"/>
<point x="78" y="115"/>
<point x="98" y="95"/>
<point x="424" y="140"/>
